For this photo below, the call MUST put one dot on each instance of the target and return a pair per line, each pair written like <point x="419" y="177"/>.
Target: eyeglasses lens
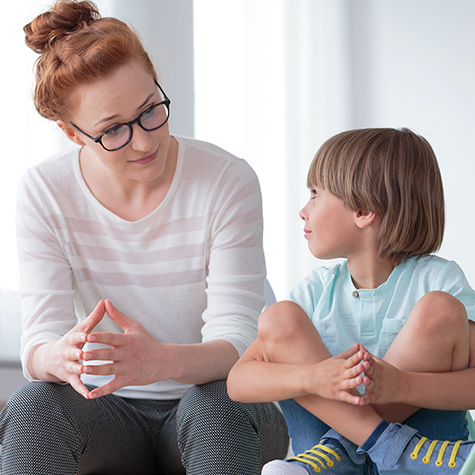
<point x="116" y="137"/>
<point x="151" y="119"/>
<point x="154" y="117"/>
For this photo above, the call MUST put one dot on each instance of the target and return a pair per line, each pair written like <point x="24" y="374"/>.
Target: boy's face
<point x="330" y="226"/>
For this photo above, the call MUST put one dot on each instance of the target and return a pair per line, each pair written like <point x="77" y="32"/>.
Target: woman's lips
<point x="146" y="160"/>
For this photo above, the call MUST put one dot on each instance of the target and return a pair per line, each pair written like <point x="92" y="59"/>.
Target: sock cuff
<point x="371" y="440"/>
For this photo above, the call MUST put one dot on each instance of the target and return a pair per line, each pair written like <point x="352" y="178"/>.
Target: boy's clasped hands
<point x="339" y="375"/>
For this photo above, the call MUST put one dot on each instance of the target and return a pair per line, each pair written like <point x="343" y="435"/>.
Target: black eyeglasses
<point x="120" y="135"/>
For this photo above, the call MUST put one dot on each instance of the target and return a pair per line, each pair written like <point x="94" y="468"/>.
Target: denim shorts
<point x="306" y="430"/>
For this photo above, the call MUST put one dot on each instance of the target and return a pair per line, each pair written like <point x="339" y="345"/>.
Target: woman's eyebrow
<point x="145" y="102"/>
<point x="105" y="119"/>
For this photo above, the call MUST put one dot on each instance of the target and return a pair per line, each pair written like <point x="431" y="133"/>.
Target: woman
<point x="141" y="275"/>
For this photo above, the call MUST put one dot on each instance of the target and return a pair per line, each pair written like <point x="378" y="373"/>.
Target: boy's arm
<point x="444" y="391"/>
<point x="253" y="379"/>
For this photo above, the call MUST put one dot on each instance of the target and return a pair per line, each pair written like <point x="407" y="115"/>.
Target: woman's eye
<point x="149" y="112"/>
<point x="117" y="130"/>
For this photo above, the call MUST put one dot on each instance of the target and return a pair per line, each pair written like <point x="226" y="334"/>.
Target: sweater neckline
<point x="109" y="214"/>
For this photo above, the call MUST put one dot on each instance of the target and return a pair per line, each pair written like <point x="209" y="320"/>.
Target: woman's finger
<point x="120" y="318"/>
<point x="103" y="354"/>
<point x="108" y="388"/>
<point x="107" y="369"/>
<point x="75" y="368"/>
<point x="73" y="354"/>
<point x="78" y="386"/>
<point x="105" y="338"/>
<point x="91" y="321"/>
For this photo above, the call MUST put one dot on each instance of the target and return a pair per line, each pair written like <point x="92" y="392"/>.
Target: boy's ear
<point x="70" y="132"/>
<point x="364" y="218"/>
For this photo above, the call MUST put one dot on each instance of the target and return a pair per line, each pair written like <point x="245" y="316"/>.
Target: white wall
<point x="298" y="71"/>
<point x="414" y="66"/>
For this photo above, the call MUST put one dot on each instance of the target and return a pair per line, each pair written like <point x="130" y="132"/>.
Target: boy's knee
<point x="438" y="309"/>
<point x="281" y="321"/>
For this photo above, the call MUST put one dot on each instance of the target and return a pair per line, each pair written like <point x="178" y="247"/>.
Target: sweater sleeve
<point x="236" y="267"/>
<point x="46" y="282"/>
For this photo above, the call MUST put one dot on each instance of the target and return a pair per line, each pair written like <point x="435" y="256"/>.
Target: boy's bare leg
<point x="434" y="339"/>
<point x="287" y="335"/>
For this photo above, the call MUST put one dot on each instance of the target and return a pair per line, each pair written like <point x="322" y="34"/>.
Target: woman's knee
<point x="35" y="402"/>
<point x="207" y="410"/>
<point x="30" y="395"/>
<point x="205" y="402"/>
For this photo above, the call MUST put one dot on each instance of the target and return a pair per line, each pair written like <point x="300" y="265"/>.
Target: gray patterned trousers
<point x="50" y="429"/>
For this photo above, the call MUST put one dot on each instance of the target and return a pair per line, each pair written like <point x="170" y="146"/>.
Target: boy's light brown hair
<point x="394" y="173"/>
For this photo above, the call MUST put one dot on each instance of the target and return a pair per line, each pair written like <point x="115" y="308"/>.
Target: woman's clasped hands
<point x="126" y="356"/>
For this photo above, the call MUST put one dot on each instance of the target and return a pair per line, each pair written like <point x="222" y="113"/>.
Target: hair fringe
<point x="394" y="173"/>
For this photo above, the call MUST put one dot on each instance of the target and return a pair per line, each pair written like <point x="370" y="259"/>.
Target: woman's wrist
<point x="37" y="364"/>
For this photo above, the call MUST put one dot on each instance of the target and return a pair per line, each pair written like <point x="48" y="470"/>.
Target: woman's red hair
<point x="77" y="47"/>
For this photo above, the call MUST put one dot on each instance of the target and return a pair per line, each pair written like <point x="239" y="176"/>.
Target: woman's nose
<point x="141" y="139"/>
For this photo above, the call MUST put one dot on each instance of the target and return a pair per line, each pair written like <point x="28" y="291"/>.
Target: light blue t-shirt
<point x="344" y="315"/>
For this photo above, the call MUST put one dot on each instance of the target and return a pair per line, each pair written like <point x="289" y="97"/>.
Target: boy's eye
<point x="313" y="194"/>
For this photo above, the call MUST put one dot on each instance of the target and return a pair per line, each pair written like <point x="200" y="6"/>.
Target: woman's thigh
<point x="219" y="436"/>
<point x="50" y="428"/>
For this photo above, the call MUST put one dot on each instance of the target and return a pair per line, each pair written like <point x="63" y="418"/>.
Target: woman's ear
<point x="364" y="218"/>
<point x="70" y="132"/>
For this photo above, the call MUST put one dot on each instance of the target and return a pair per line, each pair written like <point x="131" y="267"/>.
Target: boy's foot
<point x="334" y="455"/>
<point x="400" y="449"/>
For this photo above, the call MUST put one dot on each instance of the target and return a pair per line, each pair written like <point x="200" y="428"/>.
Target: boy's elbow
<point x="234" y="388"/>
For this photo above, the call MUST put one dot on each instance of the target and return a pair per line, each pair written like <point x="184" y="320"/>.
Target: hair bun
<point x="65" y="17"/>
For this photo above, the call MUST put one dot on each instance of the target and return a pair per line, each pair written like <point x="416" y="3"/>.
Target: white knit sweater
<point x="191" y="271"/>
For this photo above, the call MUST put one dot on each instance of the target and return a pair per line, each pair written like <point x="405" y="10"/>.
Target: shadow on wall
<point x="10" y="325"/>
<point x="11" y="375"/>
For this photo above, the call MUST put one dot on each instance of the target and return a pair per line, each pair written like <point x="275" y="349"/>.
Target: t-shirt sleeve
<point x="453" y="281"/>
<point x="307" y="292"/>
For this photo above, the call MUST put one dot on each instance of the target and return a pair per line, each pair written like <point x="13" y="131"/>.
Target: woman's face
<point x="116" y="100"/>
